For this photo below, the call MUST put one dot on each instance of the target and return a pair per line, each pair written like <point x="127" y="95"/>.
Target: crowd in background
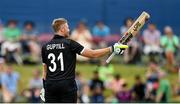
<point x="23" y="46"/>
<point x="156" y="88"/>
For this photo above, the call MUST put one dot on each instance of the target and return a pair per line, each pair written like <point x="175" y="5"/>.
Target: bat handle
<point x="110" y="58"/>
<point x="112" y="55"/>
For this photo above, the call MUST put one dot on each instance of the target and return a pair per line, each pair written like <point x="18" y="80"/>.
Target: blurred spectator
<point x="35" y="87"/>
<point x="35" y="95"/>
<point x="151" y="38"/>
<point x="139" y="90"/>
<point x="97" y="96"/>
<point x="36" y="81"/>
<point x="9" y="80"/>
<point x="84" y="97"/>
<point x="35" y="49"/>
<point x="116" y="84"/>
<point x="106" y="72"/>
<point x="164" y="90"/>
<point x="11" y="47"/>
<point x="29" y="29"/>
<point x="127" y="24"/>
<point x="101" y="29"/>
<point x="83" y="36"/>
<point x="12" y="32"/>
<point x="152" y="75"/>
<point x="101" y="34"/>
<point x="80" y="84"/>
<point x="27" y="94"/>
<point x="133" y="54"/>
<point x="2" y="66"/>
<point x="170" y="44"/>
<point x="1" y="35"/>
<point x="124" y="95"/>
<point x="96" y="81"/>
<point x="97" y="88"/>
<point x="29" y="41"/>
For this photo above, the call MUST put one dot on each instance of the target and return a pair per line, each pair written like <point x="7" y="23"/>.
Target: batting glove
<point x="42" y="92"/>
<point x="119" y="48"/>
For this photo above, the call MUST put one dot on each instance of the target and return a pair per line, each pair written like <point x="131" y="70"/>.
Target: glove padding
<point x="119" y="48"/>
<point x="42" y="92"/>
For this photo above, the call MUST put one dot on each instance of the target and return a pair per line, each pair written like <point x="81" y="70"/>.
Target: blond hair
<point x="58" y="24"/>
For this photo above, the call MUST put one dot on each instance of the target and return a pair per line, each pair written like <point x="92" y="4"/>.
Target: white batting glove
<point x="119" y="48"/>
<point x="42" y="94"/>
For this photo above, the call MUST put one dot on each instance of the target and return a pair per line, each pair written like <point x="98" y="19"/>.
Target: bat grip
<point x="112" y="55"/>
<point x="110" y="58"/>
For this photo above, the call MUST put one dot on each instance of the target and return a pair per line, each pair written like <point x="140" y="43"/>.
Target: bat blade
<point x="132" y="31"/>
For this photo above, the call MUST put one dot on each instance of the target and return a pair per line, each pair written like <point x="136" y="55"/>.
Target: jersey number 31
<point x="59" y="59"/>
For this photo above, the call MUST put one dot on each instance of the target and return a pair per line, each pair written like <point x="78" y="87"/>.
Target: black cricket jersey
<point x="59" y="55"/>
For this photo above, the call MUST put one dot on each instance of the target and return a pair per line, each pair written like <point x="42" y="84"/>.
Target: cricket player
<point x="59" y="63"/>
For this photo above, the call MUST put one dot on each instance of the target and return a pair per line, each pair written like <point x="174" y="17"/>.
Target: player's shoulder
<point x="44" y="44"/>
<point x="70" y="41"/>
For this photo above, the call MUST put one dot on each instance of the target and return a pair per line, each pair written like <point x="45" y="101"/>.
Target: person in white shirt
<point x="151" y="37"/>
<point x="82" y="35"/>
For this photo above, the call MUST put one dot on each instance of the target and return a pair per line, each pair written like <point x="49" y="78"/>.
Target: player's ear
<point x="61" y="30"/>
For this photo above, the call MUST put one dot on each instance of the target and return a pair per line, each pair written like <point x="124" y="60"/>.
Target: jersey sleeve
<point x="76" y="47"/>
<point x="43" y="55"/>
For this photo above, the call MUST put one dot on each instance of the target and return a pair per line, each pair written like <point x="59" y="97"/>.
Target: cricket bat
<point x="132" y="31"/>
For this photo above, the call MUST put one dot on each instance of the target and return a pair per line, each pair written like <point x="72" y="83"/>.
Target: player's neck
<point x="60" y="34"/>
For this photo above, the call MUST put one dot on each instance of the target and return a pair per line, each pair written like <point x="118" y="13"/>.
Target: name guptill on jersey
<point x="55" y="46"/>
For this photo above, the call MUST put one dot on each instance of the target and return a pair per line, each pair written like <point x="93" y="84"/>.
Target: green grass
<point x="126" y="71"/>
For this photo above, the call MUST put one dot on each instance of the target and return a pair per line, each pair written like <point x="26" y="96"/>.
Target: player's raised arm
<point x="117" y="48"/>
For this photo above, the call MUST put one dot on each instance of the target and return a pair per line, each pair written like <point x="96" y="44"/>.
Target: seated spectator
<point x="152" y="75"/>
<point x="96" y="81"/>
<point x="29" y="29"/>
<point x="124" y="95"/>
<point x="29" y="41"/>
<point x="32" y="94"/>
<point x="2" y="66"/>
<point x="170" y="43"/>
<point x="11" y="47"/>
<point x="164" y="90"/>
<point x="97" y="96"/>
<point x="101" y="29"/>
<point x="1" y="29"/>
<point x="9" y="80"/>
<point x="36" y="81"/>
<point x="100" y="32"/>
<point x="151" y="37"/>
<point x="138" y="90"/>
<point x="116" y="84"/>
<point x="80" y="84"/>
<point x="97" y="88"/>
<point x="26" y="93"/>
<point x="84" y="97"/>
<point x="1" y="35"/>
<point x="83" y="36"/>
<point x="133" y="54"/>
<point x="127" y="24"/>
